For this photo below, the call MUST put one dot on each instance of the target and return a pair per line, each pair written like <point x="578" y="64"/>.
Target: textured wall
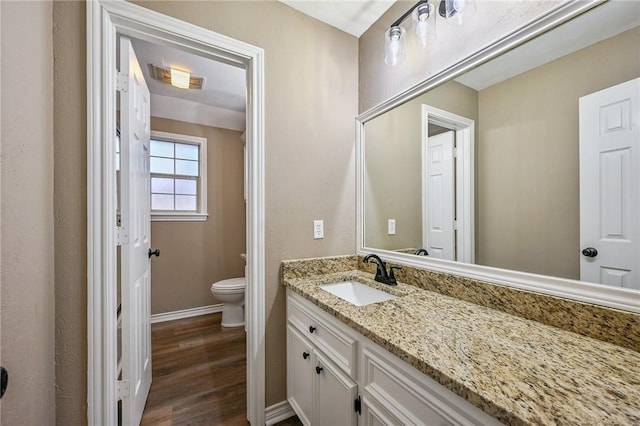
<point x="70" y="205"/>
<point x="311" y="101"/>
<point x="27" y="286"/>
<point x="494" y="19"/>
<point x="196" y="254"/>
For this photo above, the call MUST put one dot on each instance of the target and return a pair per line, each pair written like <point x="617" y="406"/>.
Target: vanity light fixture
<point x="423" y="17"/>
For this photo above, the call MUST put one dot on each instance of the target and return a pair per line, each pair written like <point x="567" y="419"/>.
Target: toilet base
<point x="232" y="315"/>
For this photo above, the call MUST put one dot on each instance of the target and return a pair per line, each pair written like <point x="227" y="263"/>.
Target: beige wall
<point x="311" y="101"/>
<point x="528" y="215"/>
<point x="26" y="264"/>
<point x="393" y="165"/>
<point x="70" y="206"/>
<point x="494" y="19"/>
<point x="196" y="254"/>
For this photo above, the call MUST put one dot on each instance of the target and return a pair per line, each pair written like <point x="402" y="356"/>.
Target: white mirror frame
<point x="613" y="297"/>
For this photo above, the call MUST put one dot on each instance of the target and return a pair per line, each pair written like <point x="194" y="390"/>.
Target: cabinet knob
<point x="311" y="329"/>
<point x="305" y="355"/>
<point x="318" y="369"/>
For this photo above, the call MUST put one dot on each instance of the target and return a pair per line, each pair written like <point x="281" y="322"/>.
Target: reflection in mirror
<point x="552" y="158"/>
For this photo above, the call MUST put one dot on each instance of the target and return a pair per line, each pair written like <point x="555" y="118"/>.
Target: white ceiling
<point x="351" y="16"/>
<point x="601" y="23"/>
<point x="222" y="102"/>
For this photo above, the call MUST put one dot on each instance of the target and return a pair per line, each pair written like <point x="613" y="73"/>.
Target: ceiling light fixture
<point x="180" y="79"/>
<point x="163" y="75"/>
<point x="423" y="19"/>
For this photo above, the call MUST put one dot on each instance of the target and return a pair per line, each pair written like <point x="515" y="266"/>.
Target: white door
<point x="440" y="218"/>
<point x="135" y="205"/>
<point x="610" y="186"/>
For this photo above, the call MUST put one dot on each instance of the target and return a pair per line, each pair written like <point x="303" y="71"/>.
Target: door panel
<point x="135" y="213"/>
<point x="300" y="371"/>
<point x="335" y="395"/>
<point x="441" y="196"/>
<point x="610" y="185"/>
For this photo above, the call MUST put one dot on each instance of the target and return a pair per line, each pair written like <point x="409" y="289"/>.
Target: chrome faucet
<point x="382" y="276"/>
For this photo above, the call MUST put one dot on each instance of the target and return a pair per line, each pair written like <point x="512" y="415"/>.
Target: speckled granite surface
<point x="610" y="325"/>
<point x="517" y="370"/>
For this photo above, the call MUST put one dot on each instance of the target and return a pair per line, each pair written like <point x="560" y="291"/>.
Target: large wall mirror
<point x="524" y="169"/>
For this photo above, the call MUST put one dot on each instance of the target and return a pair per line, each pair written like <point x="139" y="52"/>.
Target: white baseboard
<point x="278" y="412"/>
<point x="186" y="313"/>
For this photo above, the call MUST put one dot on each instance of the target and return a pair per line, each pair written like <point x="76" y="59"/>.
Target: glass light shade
<point x="393" y="46"/>
<point x="180" y="79"/>
<point x="459" y="12"/>
<point x="424" y="23"/>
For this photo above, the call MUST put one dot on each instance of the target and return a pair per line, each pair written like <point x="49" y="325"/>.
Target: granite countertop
<point x="517" y="370"/>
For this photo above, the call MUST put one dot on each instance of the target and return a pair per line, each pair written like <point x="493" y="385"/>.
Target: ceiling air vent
<point x="164" y="75"/>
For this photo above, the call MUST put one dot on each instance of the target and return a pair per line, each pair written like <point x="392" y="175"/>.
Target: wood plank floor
<point x="199" y="374"/>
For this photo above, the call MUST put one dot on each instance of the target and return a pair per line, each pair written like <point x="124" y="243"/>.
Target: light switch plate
<point x="318" y="229"/>
<point x="391" y="227"/>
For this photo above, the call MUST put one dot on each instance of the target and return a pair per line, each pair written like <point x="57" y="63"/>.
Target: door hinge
<point x="123" y="389"/>
<point x="455" y="225"/>
<point x="455" y="152"/>
<point x="357" y="405"/>
<point x="122" y="236"/>
<point x="122" y="82"/>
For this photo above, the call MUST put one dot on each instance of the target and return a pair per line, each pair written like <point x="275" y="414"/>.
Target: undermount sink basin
<point x="356" y="293"/>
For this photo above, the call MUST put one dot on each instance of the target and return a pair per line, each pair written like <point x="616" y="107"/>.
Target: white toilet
<point x="231" y="293"/>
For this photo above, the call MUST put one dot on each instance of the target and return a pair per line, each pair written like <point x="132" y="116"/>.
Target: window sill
<point x="179" y="217"/>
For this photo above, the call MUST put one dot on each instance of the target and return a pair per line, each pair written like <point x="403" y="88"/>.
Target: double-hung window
<point x="178" y="165"/>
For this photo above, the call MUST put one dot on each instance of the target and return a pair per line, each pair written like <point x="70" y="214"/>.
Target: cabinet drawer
<point x="335" y="339"/>
<point x="412" y="397"/>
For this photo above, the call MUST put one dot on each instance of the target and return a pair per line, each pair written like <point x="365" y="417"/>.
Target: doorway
<point x="447" y="185"/>
<point x="105" y="20"/>
<point x="194" y="140"/>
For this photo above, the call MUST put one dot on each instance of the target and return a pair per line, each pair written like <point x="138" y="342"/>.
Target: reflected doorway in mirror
<point x="447" y="185"/>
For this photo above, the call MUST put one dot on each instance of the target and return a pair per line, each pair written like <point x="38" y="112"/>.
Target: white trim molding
<point x="278" y="412"/>
<point x="612" y="297"/>
<point x="186" y="313"/>
<point x="105" y="20"/>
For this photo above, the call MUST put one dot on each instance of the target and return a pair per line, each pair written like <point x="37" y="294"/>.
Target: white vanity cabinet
<point x="337" y="377"/>
<point x="319" y="392"/>
<point x="321" y="358"/>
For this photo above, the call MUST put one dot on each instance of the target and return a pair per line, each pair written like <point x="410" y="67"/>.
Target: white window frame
<point x="201" y="213"/>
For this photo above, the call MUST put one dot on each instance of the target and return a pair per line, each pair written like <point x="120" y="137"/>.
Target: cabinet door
<point x="335" y="395"/>
<point x="374" y="415"/>
<point x="300" y="375"/>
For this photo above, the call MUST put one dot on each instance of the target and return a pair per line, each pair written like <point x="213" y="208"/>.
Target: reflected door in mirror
<point x="609" y="186"/>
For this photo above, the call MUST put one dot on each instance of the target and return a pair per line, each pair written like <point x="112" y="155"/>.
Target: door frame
<point x="106" y="19"/>
<point x="464" y="177"/>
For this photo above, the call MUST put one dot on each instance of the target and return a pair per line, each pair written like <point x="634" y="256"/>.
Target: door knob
<point x="4" y="381"/>
<point x="155" y="253"/>
<point x="590" y="252"/>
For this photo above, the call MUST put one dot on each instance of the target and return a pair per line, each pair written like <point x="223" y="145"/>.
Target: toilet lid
<point x="230" y="284"/>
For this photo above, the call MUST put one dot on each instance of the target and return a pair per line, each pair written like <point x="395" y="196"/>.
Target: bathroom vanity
<point x="336" y="376"/>
<point x="427" y="358"/>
